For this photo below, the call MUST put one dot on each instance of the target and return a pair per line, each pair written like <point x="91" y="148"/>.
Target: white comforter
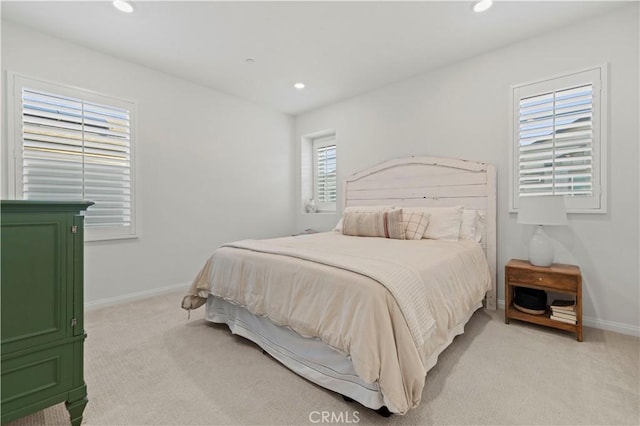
<point x="329" y="286"/>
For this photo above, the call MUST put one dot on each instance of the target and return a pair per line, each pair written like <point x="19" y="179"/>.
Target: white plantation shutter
<point x="324" y="163"/>
<point x="557" y="140"/>
<point x="75" y="149"/>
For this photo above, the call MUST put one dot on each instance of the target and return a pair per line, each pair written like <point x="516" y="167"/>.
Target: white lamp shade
<point x="542" y="210"/>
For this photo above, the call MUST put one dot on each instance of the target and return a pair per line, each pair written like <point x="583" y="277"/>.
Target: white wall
<point x="463" y="111"/>
<point x="211" y="168"/>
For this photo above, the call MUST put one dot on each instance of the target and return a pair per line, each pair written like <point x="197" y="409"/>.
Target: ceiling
<point x="338" y="49"/>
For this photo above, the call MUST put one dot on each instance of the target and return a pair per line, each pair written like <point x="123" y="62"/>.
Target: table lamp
<point x="541" y="210"/>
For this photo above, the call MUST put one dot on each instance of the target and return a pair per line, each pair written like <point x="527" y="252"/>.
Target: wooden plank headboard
<point x="432" y="181"/>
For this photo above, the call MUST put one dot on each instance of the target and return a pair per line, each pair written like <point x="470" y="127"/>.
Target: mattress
<point x="387" y="305"/>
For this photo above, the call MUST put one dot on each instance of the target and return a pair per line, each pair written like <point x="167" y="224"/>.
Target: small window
<point x="559" y="140"/>
<point x="75" y="145"/>
<point x="318" y="172"/>
<point x="324" y="173"/>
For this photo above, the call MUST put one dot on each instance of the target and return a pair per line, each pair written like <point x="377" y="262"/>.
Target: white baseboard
<point x="110" y="301"/>
<point x="617" y="327"/>
<point x="611" y="326"/>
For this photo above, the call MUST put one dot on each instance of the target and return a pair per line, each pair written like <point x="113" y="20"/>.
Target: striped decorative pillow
<point x="361" y="209"/>
<point x="415" y="223"/>
<point x="383" y="224"/>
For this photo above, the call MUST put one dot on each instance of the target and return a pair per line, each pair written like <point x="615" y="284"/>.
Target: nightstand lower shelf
<point x="544" y="319"/>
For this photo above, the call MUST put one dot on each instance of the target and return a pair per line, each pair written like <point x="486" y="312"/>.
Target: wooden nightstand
<point x="557" y="278"/>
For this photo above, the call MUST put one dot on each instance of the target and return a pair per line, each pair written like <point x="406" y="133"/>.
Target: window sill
<point x="601" y="210"/>
<point x="97" y="239"/>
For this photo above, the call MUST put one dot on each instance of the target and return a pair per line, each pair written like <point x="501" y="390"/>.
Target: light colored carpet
<point x="146" y="364"/>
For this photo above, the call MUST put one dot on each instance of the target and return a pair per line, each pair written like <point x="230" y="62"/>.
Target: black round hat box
<point x="530" y="300"/>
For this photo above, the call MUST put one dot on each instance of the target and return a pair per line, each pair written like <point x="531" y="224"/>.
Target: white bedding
<point x="351" y="311"/>
<point x="401" y="279"/>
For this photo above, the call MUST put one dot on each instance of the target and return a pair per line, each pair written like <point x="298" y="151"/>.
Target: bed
<point x="367" y="317"/>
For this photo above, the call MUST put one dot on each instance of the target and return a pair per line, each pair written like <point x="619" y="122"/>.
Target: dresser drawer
<point x="547" y="280"/>
<point x="35" y="376"/>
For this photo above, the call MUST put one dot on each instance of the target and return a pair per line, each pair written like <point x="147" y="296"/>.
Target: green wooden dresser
<point x="42" y="307"/>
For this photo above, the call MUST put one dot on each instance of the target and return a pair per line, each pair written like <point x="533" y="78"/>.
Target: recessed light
<point x="123" y="6"/>
<point x="482" y="5"/>
<point x="299" y="86"/>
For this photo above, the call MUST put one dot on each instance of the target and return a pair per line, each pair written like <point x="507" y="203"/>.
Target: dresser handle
<point x="540" y="279"/>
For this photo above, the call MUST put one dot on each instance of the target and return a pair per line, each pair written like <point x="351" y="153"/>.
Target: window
<point x="318" y="172"/>
<point x="70" y="144"/>
<point x="559" y="140"/>
<point x="324" y="173"/>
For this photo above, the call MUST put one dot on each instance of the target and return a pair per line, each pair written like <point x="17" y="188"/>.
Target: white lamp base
<point x="540" y="248"/>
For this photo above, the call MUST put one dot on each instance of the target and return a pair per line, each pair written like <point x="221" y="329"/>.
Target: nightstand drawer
<point x="547" y="280"/>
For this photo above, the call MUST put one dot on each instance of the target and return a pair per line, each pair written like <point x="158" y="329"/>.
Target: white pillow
<point x="468" y="226"/>
<point x="360" y="209"/>
<point x="444" y="222"/>
<point x="481" y="227"/>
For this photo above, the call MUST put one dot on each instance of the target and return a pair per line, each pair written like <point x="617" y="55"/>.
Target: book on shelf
<point x="569" y="316"/>
<point x="564" y="311"/>
<point x="565" y="320"/>
<point x="561" y="312"/>
<point x="563" y="305"/>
